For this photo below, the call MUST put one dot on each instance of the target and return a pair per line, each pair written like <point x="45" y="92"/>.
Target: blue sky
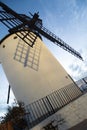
<point x="65" y="18"/>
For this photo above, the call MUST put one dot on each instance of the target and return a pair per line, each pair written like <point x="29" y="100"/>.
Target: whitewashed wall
<point x="32" y="72"/>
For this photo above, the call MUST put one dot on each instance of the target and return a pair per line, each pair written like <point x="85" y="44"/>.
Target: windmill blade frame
<point x="17" y="22"/>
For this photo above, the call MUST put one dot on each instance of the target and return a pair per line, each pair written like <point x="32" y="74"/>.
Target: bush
<point x="16" y="114"/>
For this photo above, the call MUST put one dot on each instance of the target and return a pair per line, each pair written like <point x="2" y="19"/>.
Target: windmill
<point x="26" y="29"/>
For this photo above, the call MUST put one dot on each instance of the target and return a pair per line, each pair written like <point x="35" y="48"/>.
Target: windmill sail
<point x="17" y="22"/>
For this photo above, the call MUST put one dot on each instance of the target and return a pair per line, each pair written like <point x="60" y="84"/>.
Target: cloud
<point x="4" y="92"/>
<point x="74" y="67"/>
<point x="3" y="108"/>
<point x="78" y="69"/>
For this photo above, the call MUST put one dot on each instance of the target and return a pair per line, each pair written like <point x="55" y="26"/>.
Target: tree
<point x="16" y="115"/>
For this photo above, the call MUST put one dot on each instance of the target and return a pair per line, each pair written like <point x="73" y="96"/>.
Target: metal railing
<point x="46" y="106"/>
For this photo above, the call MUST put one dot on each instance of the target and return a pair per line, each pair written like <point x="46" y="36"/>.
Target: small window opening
<point x="15" y="37"/>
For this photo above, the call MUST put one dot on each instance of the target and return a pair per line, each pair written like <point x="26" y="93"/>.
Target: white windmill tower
<point x="34" y="74"/>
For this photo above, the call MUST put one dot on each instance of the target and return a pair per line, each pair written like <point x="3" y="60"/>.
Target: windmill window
<point x="3" y="46"/>
<point x="15" y="37"/>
